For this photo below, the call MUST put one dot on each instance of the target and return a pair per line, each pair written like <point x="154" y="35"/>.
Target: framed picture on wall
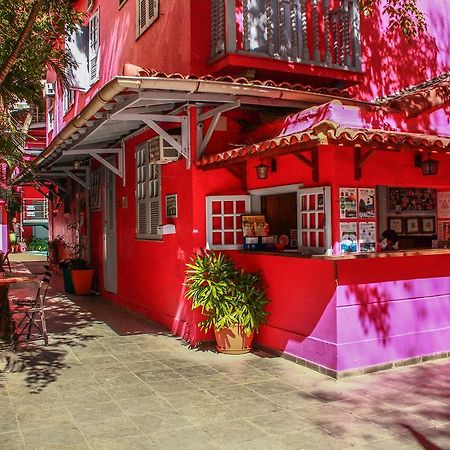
<point x="428" y="225"/>
<point x="396" y="224"/>
<point x="412" y="225"/>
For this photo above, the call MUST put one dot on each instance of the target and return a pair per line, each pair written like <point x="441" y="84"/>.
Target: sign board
<point x="172" y="206"/>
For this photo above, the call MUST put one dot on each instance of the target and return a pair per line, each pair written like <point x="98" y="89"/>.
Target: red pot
<point x="82" y="281"/>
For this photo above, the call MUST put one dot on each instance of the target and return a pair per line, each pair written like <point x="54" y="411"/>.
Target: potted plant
<point x="78" y="276"/>
<point x="232" y="300"/>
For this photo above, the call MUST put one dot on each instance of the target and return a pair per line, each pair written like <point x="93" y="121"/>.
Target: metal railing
<point x="317" y="32"/>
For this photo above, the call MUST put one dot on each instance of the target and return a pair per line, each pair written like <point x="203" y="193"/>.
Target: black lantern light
<point x="430" y="166"/>
<point x="262" y="170"/>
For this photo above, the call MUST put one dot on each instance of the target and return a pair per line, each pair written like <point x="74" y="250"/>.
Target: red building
<point x="348" y="125"/>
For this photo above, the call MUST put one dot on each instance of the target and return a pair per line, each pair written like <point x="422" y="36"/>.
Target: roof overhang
<point x="327" y="132"/>
<point x="121" y="106"/>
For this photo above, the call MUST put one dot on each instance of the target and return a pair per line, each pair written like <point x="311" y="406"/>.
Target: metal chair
<point x="32" y="313"/>
<point x="4" y="259"/>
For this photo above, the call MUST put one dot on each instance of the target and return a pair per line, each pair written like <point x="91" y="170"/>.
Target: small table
<point x="5" y="314"/>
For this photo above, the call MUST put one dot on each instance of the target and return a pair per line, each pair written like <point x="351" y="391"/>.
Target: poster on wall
<point x="367" y="236"/>
<point x="444" y="230"/>
<point x="412" y="199"/>
<point x="366" y="203"/>
<point x="348" y="237"/>
<point x="443" y="205"/>
<point x="347" y="203"/>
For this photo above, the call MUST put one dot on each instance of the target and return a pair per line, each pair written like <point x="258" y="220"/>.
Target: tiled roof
<point x="324" y="130"/>
<point x="415" y="99"/>
<point x="132" y="70"/>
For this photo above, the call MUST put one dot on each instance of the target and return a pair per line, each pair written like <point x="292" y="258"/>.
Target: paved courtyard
<point x="113" y="380"/>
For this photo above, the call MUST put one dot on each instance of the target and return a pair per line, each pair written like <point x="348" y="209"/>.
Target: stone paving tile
<point x="314" y="439"/>
<point x="62" y="436"/>
<point x="98" y="430"/>
<point x="232" y="432"/>
<point x="101" y="386"/>
<point x="11" y="441"/>
<point x="87" y="411"/>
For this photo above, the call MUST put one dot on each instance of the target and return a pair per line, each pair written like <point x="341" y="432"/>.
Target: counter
<point x="354" y="311"/>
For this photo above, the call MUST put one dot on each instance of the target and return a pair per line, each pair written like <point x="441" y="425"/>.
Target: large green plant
<point x="228" y="296"/>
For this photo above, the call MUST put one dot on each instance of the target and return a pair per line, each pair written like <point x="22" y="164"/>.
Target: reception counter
<point x="355" y="312"/>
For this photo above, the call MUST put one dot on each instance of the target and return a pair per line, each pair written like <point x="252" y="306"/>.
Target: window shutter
<point x="148" y="196"/>
<point x="94" y="48"/>
<point x="147" y="12"/>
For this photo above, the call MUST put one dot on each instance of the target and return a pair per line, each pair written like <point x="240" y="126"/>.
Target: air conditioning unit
<point x="49" y="89"/>
<point x="161" y="152"/>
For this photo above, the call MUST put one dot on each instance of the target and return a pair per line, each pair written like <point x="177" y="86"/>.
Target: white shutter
<point x="147" y="12"/>
<point x="223" y="221"/>
<point x="94" y="48"/>
<point x="148" y="195"/>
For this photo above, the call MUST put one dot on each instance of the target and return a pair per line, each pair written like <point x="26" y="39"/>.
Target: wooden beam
<point x="360" y="157"/>
<point x="312" y="163"/>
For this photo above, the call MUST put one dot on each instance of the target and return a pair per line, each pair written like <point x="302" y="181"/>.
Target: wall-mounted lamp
<point x="76" y="165"/>
<point x="430" y="166"/>
<point x="262" y="170"/>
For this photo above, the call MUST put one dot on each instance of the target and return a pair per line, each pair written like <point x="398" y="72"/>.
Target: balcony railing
<point x="316" y="32"/>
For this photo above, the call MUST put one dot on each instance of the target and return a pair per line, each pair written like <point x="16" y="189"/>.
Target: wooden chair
<point x="4" y="260"/>
<point x="31" y="313"/>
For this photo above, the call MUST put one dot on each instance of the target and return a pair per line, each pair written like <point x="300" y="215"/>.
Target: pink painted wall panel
<point x="367" y="353"/>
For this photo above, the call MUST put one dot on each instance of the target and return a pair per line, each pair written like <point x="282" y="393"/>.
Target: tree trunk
<point x="10" y="61"/>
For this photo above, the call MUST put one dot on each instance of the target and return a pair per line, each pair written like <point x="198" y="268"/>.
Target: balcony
<point x="305" y="35"/>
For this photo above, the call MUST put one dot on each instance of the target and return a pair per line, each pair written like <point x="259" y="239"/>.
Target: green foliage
<point x="74" y="264"/>
<point x="43" y="49"/>
<point x="228" y="296"/>
<point x="38" y="244"/>
<point x="403" y="14"/>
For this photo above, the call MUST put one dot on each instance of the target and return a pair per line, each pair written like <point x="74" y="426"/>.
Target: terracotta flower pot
<point x="233" y="340"/>
<point x="82" y="281"/>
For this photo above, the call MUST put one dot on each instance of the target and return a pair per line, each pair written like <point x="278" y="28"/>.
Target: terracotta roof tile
<point x="132" y="70"/>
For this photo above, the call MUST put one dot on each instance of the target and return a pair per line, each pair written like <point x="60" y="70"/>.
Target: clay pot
<point x="233" y="341"/>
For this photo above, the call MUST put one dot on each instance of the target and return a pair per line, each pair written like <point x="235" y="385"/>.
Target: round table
<point x="5" y="315"/>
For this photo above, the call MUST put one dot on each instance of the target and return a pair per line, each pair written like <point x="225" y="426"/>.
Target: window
<point x="148" y="194"/>
<point x="223" y="221"/>
<point x="314" y="209"/>
<point x="146" y="13"/>
<point x="94" y="48"/>
<point x="50" y="118"/>
<point x="68" y="99"/>
<point x="94" y="191"/>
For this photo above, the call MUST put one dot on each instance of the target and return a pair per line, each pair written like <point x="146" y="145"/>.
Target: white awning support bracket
<point x="96" y="154"/>
<point x="151" y="119"/>
<point x="215" y="113"/>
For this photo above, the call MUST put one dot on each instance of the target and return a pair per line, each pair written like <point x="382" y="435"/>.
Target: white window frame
<point x="144" y="6"/>
<point x="94" y="47"/>
<point x="146" y="186"/>
<point x="326" y="230"/>
<point x="68" y="99"/>
<point x="210" y="216"/>
<point x="50" y="117"/>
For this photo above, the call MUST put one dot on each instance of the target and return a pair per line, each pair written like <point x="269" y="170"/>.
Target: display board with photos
<point x="413" y="225"/>
<point x="357" y="211"/>
<point x="402" y="199"/>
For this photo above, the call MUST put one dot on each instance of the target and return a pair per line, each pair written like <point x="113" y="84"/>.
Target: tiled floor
<point x="113" y="380"/>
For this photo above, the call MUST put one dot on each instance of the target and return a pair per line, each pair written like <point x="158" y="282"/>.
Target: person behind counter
<point x="389" y="239"/>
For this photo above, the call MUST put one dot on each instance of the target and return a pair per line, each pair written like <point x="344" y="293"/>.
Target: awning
<point x="128" y="104"/>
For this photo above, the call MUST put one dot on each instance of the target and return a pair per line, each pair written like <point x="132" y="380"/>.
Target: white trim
<point x="209" y="216"/>
<point x="277" y="189"/>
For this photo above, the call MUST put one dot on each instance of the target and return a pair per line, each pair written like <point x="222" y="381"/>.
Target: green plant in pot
<point x="78" y="276"/>
<point x="232" y="300"/>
